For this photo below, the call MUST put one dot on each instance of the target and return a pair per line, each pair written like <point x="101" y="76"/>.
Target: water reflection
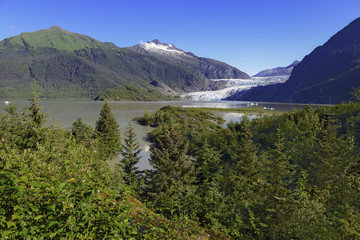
<point x="236" y="117"/>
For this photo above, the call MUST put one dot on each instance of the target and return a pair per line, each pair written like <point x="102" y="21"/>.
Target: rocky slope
<point x="279" y="71"/>
<point x="207" y="67"/>
<point x="327" y="75"/>
<point x="66" y="64"/>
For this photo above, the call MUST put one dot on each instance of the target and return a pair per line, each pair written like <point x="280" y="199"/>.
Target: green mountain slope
<point x="66" y="64"/>
<point x="54" y="37"/>
<point x="132" y="93"/>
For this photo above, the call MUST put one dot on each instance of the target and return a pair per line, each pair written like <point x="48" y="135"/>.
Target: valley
<point x="151" y="141"/>
<point x="70" y="65"/>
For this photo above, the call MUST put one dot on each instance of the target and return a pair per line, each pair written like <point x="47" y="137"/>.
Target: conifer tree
<point x="208" y="170"/>
<point x="333" y="171"/>
<point x="243" y="184"/>
<point x="171" y="180"/>
<point x="107" y="133"/>
<point x="81" y="130"/>
<point x="308" y="219"/>
<point x="279" y="167"/>
<point x="35" y="110"/>
<point x="279" y="173"/>
<point x="130" y="157"/>
<point x="31" y="123"/>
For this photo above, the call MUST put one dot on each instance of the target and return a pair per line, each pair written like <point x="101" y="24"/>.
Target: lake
<point x="63" y="113"/>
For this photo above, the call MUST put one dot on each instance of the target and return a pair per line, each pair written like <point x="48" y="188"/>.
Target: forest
<point x="290" y="176"/>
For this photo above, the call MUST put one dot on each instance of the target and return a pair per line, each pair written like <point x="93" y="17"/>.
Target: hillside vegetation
<point x="293" y="176"/>
<point x="66" y="64"/>
<point x="56" y="184"/>
<point x="289" y="176"/>
<point x="132" y="93"/>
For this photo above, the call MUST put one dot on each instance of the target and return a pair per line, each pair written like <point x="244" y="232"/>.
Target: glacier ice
<point x="234" y="86"/>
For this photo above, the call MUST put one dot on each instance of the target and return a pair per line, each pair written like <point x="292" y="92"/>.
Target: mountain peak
<point x="156" y="41"/>
<point x="155" y="46"/>
<point x="56" y="27"/>
<point x="296" y="62"/>
<point x="278" y="71"/>
<point x="55" y="38"/>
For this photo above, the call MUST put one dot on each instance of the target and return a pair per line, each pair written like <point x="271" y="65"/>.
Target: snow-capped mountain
<point x="279" y="71"/>
<point x="206" y="67"/>
<point x="157" y="47"/>
<point x="234" y="87"/>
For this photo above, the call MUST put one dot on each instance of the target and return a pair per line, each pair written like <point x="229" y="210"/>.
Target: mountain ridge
<point x="66" y="64"/>
<point x="210" y="68"/>
<point x="326" y="75"/>
<point x="278" y="71"/>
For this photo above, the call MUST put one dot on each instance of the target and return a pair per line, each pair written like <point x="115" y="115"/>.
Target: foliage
<point x="170" y="181"/>
<point x="355" y="95"/>
<point x="107" y="133"/>
<point x="58" y="188"/>
<point x="294" y="176"/>
<point x="82" y="132"/>
<point x="130" y="157"/>
<point x="132" y="93"/>
<point x="191" y="122"/>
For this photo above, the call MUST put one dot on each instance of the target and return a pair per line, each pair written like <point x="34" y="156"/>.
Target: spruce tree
<point x="243" y="183"/>
<point x="208" y="168"/>
<point x="32" y="131"/>
<point x="130" y="157"/>
<point x="308" y="219"/>
<point x="333" y="171"/>
<point x="81" y="130"/>
<point x="277" y="206"/>
<point x="171" y="181"/>
<point x="107" y="133"/>
<point x="35" y="114"/>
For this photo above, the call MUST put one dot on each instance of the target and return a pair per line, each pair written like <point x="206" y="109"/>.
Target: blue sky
<point x="251" y="35"/>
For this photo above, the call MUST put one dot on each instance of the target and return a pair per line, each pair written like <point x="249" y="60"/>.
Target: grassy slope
<point x="54" y="37"/>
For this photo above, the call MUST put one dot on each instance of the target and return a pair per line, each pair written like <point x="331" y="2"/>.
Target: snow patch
<point x="161" y="48"/>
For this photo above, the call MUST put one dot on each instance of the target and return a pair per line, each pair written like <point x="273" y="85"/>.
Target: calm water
<point x="63" y="113"/>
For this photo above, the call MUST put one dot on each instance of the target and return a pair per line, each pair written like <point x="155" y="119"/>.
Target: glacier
<point x="234" y="86"/>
